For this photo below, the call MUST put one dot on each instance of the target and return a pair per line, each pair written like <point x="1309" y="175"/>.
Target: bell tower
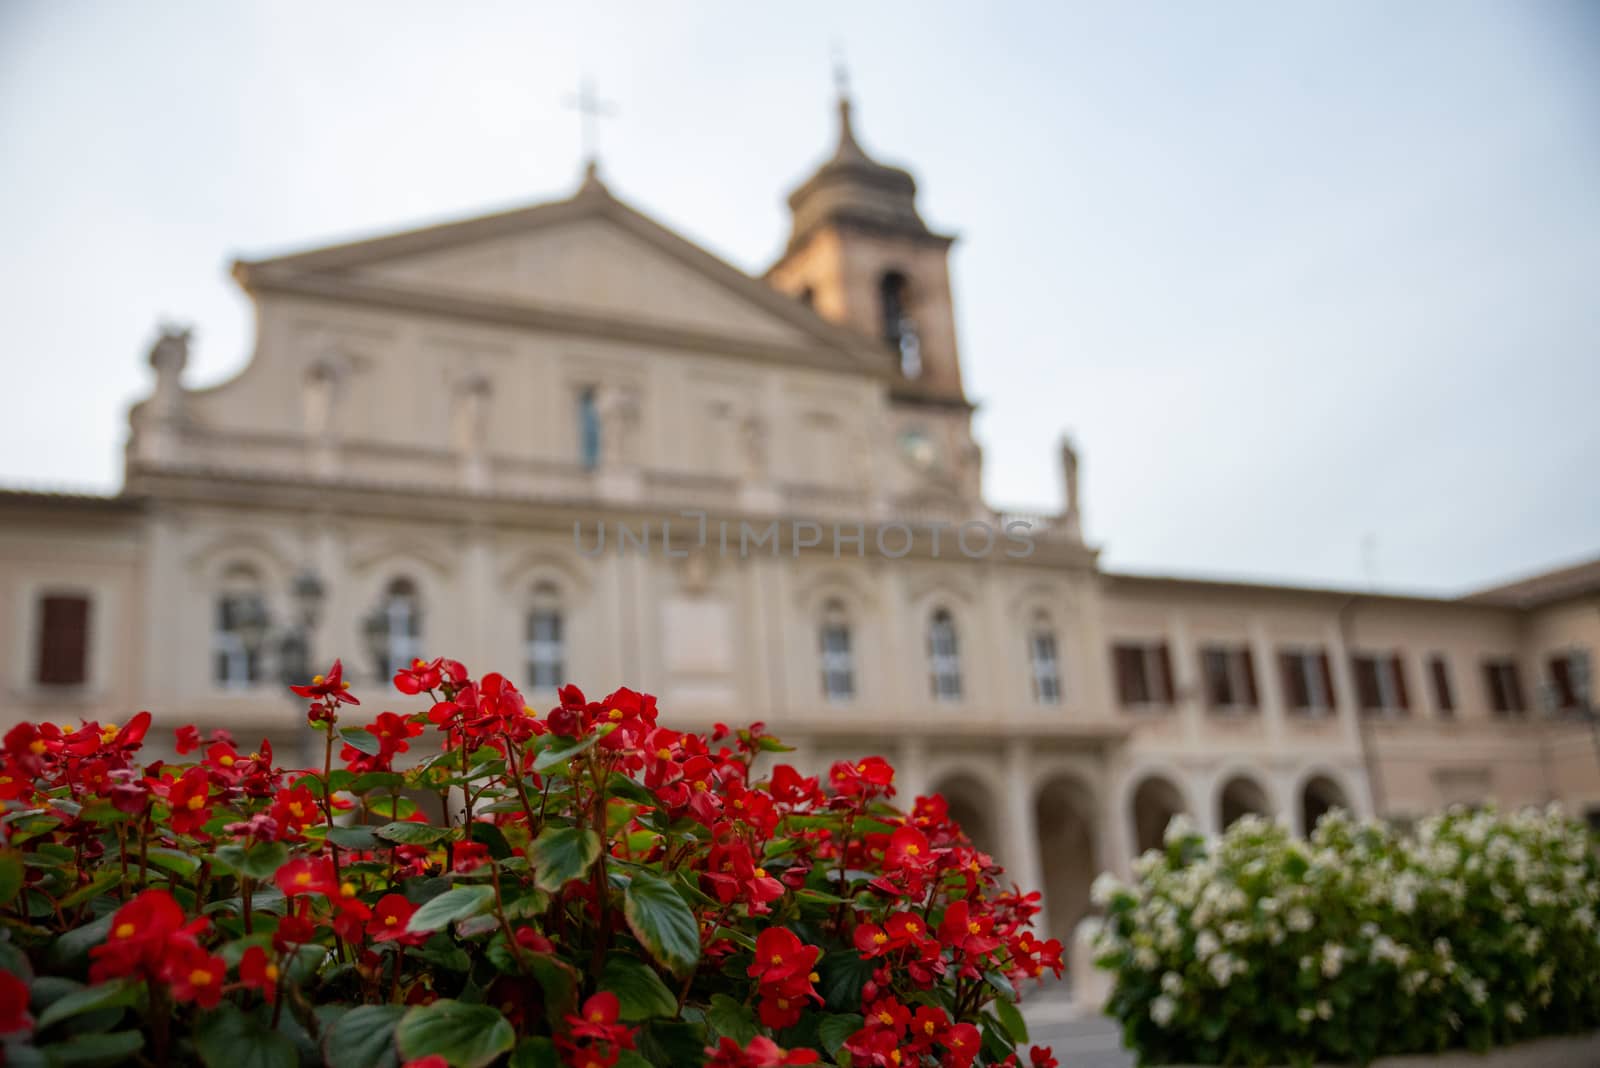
<point x="861" y="256"/>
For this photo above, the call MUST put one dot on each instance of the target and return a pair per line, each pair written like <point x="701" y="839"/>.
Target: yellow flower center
<point x="415" y="664"/>
<point x="318" y="680"/>
<point x="913" y="927"/>
<point x="390" y="921"/>
<point x="973" y="928"/>
<point x="663" y="753"/>
<point x="347" y="889"/>
<point x="297" y="810"/>
<point x="36" y="746"/>
<point x="303" y="879"/>
<point x="615" y="714"/>
<point x="225" y="760"/>
<point x="197" y="801"/>
<point x="879" y="939"/>
<point x="271" y="972"/>
<point x="125" y="930"/>
<point x="200" y="977"/>
<point x="927" y="1027"/>
<point x="885" y="1018"/>
<point x="814" y="978"/>
<point x="913" y="850"/>
<point x="761" y="873"/>
<point x="107" y="736"/>
<point x="776" y="958"/>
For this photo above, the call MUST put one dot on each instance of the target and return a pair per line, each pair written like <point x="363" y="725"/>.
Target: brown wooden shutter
<point x="1399" y="668"/>
<point x="63" y="640"/>
<point x="1121" y="666"/>
<point x="1251" y="697"/>
<point x="1561" y="675"/>
<point x="1514" y="685"/>
<point x="1368" y="692"/>
<point x="1327" y="679"/>
<point x="1441" y="685"/>
<point x="1166" y="673"/>
<point x="1497" y="689"/>
<point x="1288" y="678"/>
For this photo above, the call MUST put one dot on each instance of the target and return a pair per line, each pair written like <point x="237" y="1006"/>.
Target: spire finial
<point x="841" y="85"/>
<point x="590" y="109"/>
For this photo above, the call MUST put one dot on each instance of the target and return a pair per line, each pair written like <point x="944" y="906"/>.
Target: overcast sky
<point x="1297" y="277"/>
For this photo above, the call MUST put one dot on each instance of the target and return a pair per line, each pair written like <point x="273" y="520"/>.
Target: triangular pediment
<point x="590" y="257"/>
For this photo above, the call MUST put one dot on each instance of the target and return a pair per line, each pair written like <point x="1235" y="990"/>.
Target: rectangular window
<point x="1444" y="695"/>
<point x="63" y="640"/>
<point x="546" y="650"/>
<point x="1144" y="673"/>
<point x="1307" y="680"/>
<point x="236" y="662"/>
<point x="1046" y="667"/>
<point x="1380" y="683"/>
<point x="589" y="427"/>
<point x="838" y="668"/>
<point x="1505" y="687"/>
<point x="1569" y="680"/>
<point x="1230" y="677"/>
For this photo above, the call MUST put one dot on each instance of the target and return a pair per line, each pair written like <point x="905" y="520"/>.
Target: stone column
<point x="911" y="772"/>
<point x="1021" y="837"/>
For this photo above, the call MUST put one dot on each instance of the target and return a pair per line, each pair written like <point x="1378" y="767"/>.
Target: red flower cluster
<point x="784" y="975"/>
<point x="762" y="1052"/>
<point x="594" y="1038"/>
<point x="150" y="938"/>
<point x="894" y="1035"/>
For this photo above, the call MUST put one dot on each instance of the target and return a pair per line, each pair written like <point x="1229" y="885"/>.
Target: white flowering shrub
<point x="1476" y="930"/>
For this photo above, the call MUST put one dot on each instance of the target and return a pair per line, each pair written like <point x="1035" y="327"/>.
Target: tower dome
<point x="854" y="189"/>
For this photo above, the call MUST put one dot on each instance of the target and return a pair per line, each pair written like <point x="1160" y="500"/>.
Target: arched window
<point x="1044" y="661"/>
<point x="546" y="639"/>
<point x="892" y="300"/>
<point x="944" y="658"/>
<point x="401" y="615"/>
<point x="239" y="629"/>
<point x="589" y="427"/>
<point x="898" y="328"/>
<point x="837" y="657"/>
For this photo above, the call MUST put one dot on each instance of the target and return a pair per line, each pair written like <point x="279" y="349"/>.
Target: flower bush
<point x="606" y="892"/>
<point x="1476" y="930"/>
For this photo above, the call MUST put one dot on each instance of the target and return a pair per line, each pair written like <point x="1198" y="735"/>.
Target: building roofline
<point x="1543" y="587"/>
<point x="1222" y="585"/>
<point x="67" y="500"/>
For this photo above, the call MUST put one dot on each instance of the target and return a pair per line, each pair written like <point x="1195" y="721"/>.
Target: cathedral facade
<point x="567" y="444"/>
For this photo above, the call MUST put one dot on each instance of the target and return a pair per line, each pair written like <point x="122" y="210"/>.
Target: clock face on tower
<point x="918" y="448"/>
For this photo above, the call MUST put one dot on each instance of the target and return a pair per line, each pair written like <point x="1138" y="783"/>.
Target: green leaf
<point x="673" y="1043"/>
<point x="457" y="904"/>
<point x="102" y="996"/>
<point x="835" y="1028"/>
<point x="228" y="1038"/>
<point x="489" y="835"/>
<point x="70" y="953"/>
<point x="631" y="789"/>
<point x="394" y="808"/>
<point x="562" y="750"/>
<point x="639" y="989"/>
<point x="630" y="1059"/>
<point x="468" y="1036"/>
<point x="373" y="780"/>
<point x="561" y="854"/>
<point x="732" y="1019"/>
<point x="1009" y="1015"/>
<point x="663" y="922"/>
<point x="176" y="861"/>
<point x="93" y="1051"/>
<point x="843" y="974"/>
<point x="11" y="875"/>
<point x="364" y="1038"/>
<point x="537" y="1052"/>
<point x="360" y="739"/>
<point x="359" y="838"/>
<point x="97" y="886"/>
<point x="260" y="861"/>
<point x="407" y="833"/>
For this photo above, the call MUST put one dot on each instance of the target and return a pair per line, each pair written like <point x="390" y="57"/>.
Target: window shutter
<point x="1289" y="679"/>
<point x="63" y="641"/>
<point x="1514" y="685"/>
<point x="1441" y="685"/>
<point x="1166" y="673"/>
<point x="1250" y="696"/>
<point x="1367" y="691"/>
<point x="1561" y="675"/>
<point x="1123" y="668"/>
<point x="1400" y="693"/>
<point x="1497" y="690"/>
<point x="1327" y="679"/>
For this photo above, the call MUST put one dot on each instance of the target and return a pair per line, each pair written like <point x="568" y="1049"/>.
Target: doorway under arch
<point x="1069" y="858"/>
<point x="1241" y="796"/>
<point x="1318" y="796"/>
<point x="971" y="806"/>
<point x="1155" y="802"/>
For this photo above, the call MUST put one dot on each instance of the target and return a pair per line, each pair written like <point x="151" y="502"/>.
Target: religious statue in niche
<point x="753" y="446"/>
<point x="619" y="425"/>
